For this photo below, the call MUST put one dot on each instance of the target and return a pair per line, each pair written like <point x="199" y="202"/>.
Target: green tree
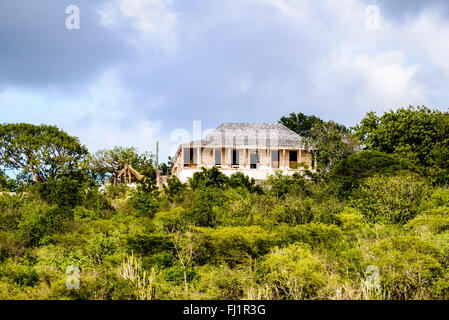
<point x="41" y="152"/>
<point x="411" y="132"/>
<point x="174" y="188"/>
<point x="300" y="123"/>
<point x="349" y="172"/>
<point x="208" y="178"/>
<point x="332" y="142"/>
<point x="393" y="199"/>
<point x="112" y="161"/>
<point x="238" y="179"/>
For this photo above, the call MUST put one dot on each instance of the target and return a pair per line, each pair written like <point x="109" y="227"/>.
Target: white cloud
<point x="102" y="118"/>
<point x="153" y="23"/>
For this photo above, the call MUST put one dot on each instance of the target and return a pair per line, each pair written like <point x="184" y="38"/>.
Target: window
<point x="235" y="157"/>
<point x="275" y="159"/>
<point x="190" y="156"/>
<point x="253" y="160"/>
<point x="293" y="158"/>
<point x="218" y="157"/>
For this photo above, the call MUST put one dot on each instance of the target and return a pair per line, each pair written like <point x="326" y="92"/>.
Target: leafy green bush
<point x="41" y="222"/>
<point x="409" y="266"/>
<point x="348" y="173"/>
<point x="392" y="199"/>
<point x="145" y="203"/>
<point x="65" y="191"/>
<point x="175" y="189"/>
<point x="233" y="244"/>
<point x="11" y="210"/>
<point x="208" y="178"/>
<point x="239" y="180"/>
<point x="294" y="273"/>
<point x="281" y="185"/>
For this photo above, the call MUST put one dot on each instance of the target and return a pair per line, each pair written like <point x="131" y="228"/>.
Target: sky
<point x="140" y="71"/>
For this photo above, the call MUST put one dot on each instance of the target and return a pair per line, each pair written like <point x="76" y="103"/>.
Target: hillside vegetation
<point x="378" y="200"/>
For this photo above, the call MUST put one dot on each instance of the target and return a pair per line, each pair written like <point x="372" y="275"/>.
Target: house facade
<point x="256" y="150"/>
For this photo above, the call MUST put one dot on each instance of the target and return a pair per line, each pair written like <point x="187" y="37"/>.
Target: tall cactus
<point x="132" y="270"/>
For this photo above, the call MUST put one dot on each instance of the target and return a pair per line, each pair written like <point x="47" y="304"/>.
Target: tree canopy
<point x="417" y="133"/>
<point x="300" y="123"/>
<point x="112" y="161"/>
<point x="39" y="151"/>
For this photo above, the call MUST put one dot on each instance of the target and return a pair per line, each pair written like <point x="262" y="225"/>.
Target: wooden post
<point x="157" y="163"/>
<point x="283" y="158"/>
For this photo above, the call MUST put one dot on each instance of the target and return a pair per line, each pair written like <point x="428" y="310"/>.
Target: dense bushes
<point x="224" y="239"/>
<point x="394" y="199"/>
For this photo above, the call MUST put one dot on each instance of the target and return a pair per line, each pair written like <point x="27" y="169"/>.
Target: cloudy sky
<point x="140" y="71"/>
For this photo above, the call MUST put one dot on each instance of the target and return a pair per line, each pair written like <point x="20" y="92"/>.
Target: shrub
<point x="234" y="244"/>
<point x="408" y="266"/>
<point x="115" y="192"/>
<point x="294" y="273"/>
<point x="392" y="199"/>
<point x="203" y="213"/>
<point x="65" y="191"/>
<point x="41" y="222"/>
<point x="174" y="189"/>
<point x="350" y="172"/>
<point x="239" y="180"/>
<point x="145" y="203"/>
<point x="222" y="283"/>
<point x="282" y="184"/>
<point x="208" y="178"/>
<point x="11" y="208"/>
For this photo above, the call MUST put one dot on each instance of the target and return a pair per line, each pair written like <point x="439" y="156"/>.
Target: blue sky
<point x="141" y="71"/>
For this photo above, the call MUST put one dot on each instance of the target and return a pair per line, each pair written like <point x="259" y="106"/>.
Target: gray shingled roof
<point x="250" y="136"/>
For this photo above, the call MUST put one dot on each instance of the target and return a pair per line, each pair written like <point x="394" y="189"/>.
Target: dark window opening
<point x="293" y="157"/>
<point x="275" y="159"/>
<point x="235" y="157"/>
<point x="253" y="160"/>
<point x="218" y="157"/>
<point x="190" y="157"/>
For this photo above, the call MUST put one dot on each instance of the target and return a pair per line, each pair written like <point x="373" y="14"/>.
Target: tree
<point x="41" y="152"/>
<point x="349" y="172"/>
<point x="300" y="123"/>
<point x="208" y="178"/>
<point x="111" y="161"/>
<point x="146" y="165"/>
<point x="239" y="179"/>
<point x="332" y="142"/>
<point x="186" y="245"/>
<point x="411" y="132"/>
<point x="391" y="199"/>
<point x="174" y="189"/>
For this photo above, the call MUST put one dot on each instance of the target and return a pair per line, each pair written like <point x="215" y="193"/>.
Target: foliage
<point x="393" y="199"/>
<point x="42" y="152"/>
<point x="332" y="142"/>
<point x="416" y="133"/>
<point x="311" y="235"/>
<point x="112" y="161"/>
<point x="294" y="273"/>
<point x="239" y="180"/>
<point x="301" y="123"/>
<point x="349" y="172"/>
<point x="281" y="184"/>
<point x="175" y="189"/>
<point x="208" y="178"/>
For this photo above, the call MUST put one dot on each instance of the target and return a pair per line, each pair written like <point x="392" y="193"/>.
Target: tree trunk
<point x="185" y="284"/>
